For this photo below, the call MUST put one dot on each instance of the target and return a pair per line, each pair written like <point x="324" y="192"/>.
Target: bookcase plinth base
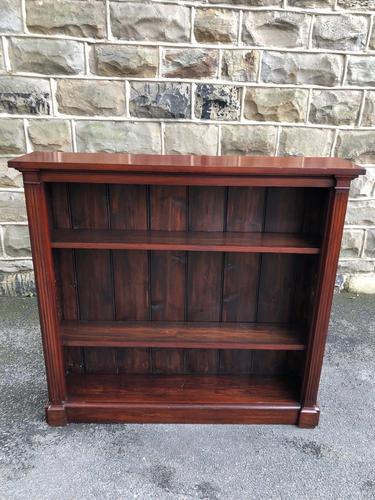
<point x="180" y="414"/>
<point x="55" y="415"/>
<point x="309" y="417"/>
<point x="60" y="415"/>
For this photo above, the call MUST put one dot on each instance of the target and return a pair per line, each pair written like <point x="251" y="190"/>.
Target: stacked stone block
<point x="254" y="77"/>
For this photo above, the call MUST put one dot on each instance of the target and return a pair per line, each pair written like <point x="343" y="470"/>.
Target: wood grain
<point x="129" y="211"/>
<point x="184" y="288"/>
<point x="193" y="241"/>
<point x="207" y="207"/>
<point x="89" y="210"/>
<point x="181" y="389"/>
<point x="66" y="278"/>
<point x="181" y="334"/>
<point x="185" y="164"/>
<point x="37" y="211"/>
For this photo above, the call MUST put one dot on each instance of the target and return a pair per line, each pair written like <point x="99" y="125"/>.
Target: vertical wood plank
<point x="131" y="285"/>
<point x="207" y="207"/>
<point x="100" y="360"/>
<point x="168" y="208"/>
<point x="241" y="275"/>
<point x="284" y="210"/>
<point x="73" y="356"/>
<point x="168" y="280"/>
<point x="88" y="205"/>
<point x="204" y="286"/>
<point x="96" y="303"/>
<point x="235" y="362"/>
<point x="134" y="360"/>
<point x="270" y="363"/>
<point x="65" y="273"/>
<point x="315" y="210"/>
<point x="276" y="288"/>
<point x="284" y="213"/>
<point x="129" y="211"/>
<point x="245" y="213"/>
<point x="60" y="219"/>
<point x="89" y="210"/>
<point x="306" y="275"/>
<point x="128" y="206"/>
<point x="315" y="214"/>
<point x="168" y="286"/>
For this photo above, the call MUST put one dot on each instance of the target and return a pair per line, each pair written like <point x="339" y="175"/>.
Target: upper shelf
<point x="187" y="164"/>
<point x="116" y="239"/>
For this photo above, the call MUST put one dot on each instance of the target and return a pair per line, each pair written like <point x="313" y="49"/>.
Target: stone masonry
<point x="254" y="77"/>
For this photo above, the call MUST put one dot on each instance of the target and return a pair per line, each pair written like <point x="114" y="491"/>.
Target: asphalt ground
<point x="89" y="461"/>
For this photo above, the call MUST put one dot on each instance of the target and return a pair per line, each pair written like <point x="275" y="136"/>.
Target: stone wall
<point x="256" y="77"/>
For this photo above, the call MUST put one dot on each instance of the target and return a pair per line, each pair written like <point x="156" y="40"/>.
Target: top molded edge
<point x="187" y="164"/>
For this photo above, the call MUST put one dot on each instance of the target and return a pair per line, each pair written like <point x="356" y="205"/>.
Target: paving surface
<point x="334" y="461"/>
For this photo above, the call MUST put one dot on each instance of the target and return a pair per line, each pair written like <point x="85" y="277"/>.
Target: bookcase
<point x="188" y="289"/>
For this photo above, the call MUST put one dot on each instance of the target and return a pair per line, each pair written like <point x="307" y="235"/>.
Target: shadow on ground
<point x="334" y="461"/>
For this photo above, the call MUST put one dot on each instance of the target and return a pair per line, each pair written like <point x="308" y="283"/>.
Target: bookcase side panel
<point x="37" y="205"/>
<point x="338" y="199"/>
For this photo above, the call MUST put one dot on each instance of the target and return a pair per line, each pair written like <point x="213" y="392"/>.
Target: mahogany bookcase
<point x="184" y="288"/>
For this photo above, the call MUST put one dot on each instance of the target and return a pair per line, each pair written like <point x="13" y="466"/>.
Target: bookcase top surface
<point x="187" y="164"/>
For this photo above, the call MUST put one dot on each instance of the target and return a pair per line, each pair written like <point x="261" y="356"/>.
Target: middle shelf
<point x="115" y="239"/>
<point x="207" y="335"/>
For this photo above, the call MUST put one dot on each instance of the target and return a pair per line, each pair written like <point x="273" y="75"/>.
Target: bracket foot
<point x="55" y="415"/>
<point x="309" y="417"/>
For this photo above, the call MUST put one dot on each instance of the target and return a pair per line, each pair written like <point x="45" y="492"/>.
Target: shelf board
<point x="182" y="389"/>
<point x="182" y="399"/>
<point x="116" y="239"/>
<point x="182" y="335"/>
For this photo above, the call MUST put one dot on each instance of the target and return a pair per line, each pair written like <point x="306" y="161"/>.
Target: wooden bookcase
<point x="182" y="288"/>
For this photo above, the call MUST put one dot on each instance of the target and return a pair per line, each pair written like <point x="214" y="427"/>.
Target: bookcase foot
<point x="55" y="415"/>
<point x="309" y="417"/>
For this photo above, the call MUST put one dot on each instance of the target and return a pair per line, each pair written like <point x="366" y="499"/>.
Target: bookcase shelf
<point x="169" y="389"/>
<point x="178" y="240"/>
<point x="184" y="288"/>
<point x="191" y="335"/>
<point x="144" y="398"/>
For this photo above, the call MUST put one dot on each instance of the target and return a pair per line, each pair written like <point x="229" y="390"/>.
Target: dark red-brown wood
<point x="37" y="211"/>
<point x="185" y="164"/>
<point x="215" y="241"/>
<point x="183" y="334"/>
<point x="184" y="288"/>
<point x="176" y="398"/>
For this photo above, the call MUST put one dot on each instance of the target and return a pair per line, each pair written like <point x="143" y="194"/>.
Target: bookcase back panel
<point x="187" y="361"/>
<point x="164" y="294"/>
<point x="184" y="286"/>
<point x="192" y="208"/>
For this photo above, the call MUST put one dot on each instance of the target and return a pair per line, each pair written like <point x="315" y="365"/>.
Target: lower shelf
<point x="182" y="399"/>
